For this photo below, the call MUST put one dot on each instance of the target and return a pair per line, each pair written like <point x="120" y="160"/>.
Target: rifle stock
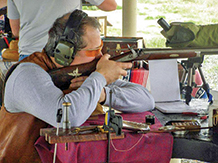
<point x="62" y="76"/>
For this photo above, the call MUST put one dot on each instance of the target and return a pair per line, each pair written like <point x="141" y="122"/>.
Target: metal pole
<point x="66" y="121"/>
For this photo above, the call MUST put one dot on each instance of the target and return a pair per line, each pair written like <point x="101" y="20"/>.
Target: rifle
<point x="62" y="76"/>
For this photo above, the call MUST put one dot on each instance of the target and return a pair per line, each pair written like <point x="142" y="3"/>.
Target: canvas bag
<point x="187" y="34"/>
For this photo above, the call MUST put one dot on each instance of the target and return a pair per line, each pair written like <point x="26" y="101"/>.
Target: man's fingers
<point x="79" y="79"/>
<point x="106" y="56"/>
<point x="124" y="65"/>
<point x="78" y="84"/>
<point x="123" y="72"/>
<point x="112" y="70"/>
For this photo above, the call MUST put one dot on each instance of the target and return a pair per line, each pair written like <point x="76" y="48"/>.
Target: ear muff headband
<point x="66" y="48"/>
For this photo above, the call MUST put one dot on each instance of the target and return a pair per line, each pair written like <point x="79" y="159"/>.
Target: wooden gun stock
<point x="62" y="76"/>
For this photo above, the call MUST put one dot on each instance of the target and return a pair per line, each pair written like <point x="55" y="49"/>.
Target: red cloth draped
<point x="145" y="148"/>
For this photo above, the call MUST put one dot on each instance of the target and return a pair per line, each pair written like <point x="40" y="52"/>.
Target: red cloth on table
<point x="145" y="148"/>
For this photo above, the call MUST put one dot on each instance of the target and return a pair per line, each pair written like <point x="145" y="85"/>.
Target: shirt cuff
<point x="107" y="98"/>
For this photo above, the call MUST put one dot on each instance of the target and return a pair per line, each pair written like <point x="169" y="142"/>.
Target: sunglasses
<point x="93" y="52"/>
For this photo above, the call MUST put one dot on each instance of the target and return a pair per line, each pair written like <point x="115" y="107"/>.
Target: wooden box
<point x="116" y="45"/>
<point x="103" y="22"/>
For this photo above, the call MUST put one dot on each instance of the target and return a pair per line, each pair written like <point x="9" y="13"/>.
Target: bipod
<point x="190" y="65"/>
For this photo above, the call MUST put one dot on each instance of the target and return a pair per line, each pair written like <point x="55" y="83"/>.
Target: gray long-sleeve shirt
<point x="30" y="89"/>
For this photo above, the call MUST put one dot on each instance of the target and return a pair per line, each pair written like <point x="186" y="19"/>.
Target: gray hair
<point x="58" y="28"/>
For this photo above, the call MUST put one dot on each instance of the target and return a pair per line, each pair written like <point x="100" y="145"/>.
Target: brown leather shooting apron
<point x="19" y="131"/>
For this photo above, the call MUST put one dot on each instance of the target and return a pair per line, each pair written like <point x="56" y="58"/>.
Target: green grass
<point x="119" y="7"/>
<point x="155" y="42"/>
<point x="94" y="8"/>
<point x="154" y="17"/>
<point x="111" y="31"/>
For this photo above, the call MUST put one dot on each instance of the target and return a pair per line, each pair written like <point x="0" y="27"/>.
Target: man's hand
<point x="108" y="5"/>
<point x="111" y="70"/>
<point x="102" y="97"/>
<point x="77" y="82"/>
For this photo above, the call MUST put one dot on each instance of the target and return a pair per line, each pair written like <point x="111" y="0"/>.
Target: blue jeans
<point x="22" y="56"/>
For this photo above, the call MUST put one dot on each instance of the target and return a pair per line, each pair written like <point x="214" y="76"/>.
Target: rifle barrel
<point x="62" y="76"/>
<point x="202" y="51"/>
